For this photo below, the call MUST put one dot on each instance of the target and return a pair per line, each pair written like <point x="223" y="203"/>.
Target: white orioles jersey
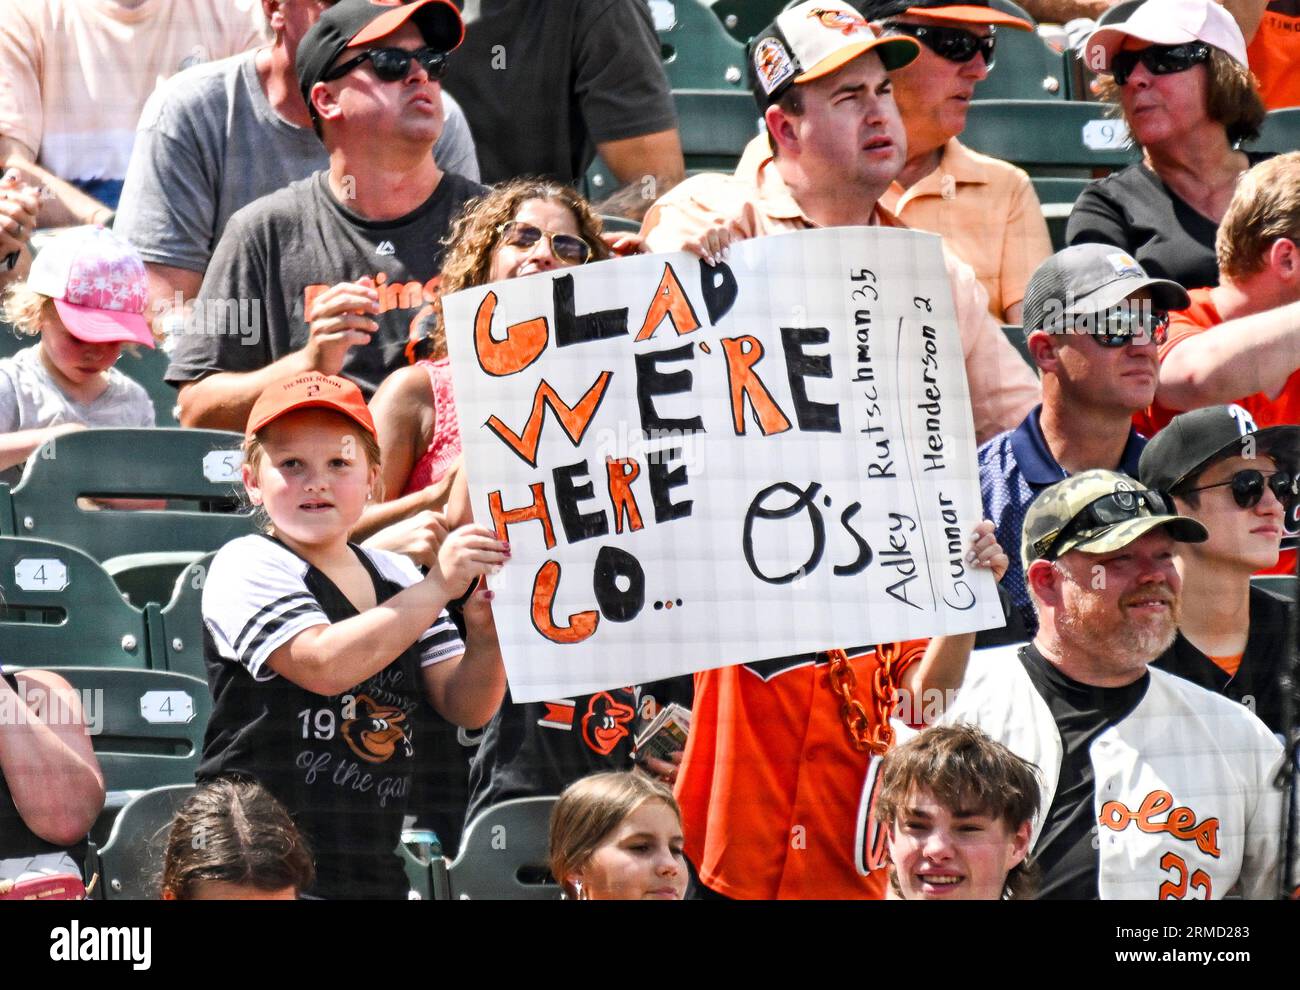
<point x="1185" y="801"/>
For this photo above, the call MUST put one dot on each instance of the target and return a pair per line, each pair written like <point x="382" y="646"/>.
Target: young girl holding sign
<point x="320" y="653"/>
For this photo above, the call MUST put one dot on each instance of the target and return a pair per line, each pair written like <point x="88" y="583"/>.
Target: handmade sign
<point x="700" y="466"/>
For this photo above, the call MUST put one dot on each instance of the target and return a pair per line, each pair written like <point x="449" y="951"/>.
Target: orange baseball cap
<point x="310" y="391"/>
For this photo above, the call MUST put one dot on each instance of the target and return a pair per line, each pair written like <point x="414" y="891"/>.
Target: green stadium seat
<point x="1049" y="137"/>
<point x="176" y="629"/>
<point x="697" y="51"/>
<point x="61" y="608"/>
<point x="130" y="864"/>
<point x="1280" y="133"/>
<point x="745" y="18"/>
<point x="195" y="471"/>
<point x="146" y="725"/>
<point x="1027" y="68"/>
<point x="515" y="869"/>
<point x="1057" y="196"/>
<point x="715" y="126"/>
<point x="1281" y="584"/>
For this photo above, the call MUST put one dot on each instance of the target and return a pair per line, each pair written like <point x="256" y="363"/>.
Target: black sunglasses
<point x="1120" y="327"/>
<point x="568" y="248"/>
<point x="954" y="44"/>
<point x="1160" y="60"/>
<point x="1248" y="487"/>
<point x="1103" y="512"/>
<point x="392" y="64"/>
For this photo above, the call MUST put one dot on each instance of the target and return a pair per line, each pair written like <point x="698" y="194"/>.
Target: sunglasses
<point x="392" y="64"/>
<point x="1121" y="327"/>
<point x="1102" y="513"/>
<point x="1248" y="487"/>
<point x="568" y="248"/>
<point x="1160" y="60"/>
<point x="954" y="44"/>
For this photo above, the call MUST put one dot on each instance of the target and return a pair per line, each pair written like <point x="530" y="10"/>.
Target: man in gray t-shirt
<point x="336" y="272"/>
<point x="215" y="138"/>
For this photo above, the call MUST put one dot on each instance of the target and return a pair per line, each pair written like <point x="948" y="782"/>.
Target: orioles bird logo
<point x="838" y="20"/>
<point x="605" y="723"/>
<point x="375" y="732"/>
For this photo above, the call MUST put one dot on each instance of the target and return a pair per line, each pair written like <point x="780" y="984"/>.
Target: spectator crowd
<point x="277" y="194"/>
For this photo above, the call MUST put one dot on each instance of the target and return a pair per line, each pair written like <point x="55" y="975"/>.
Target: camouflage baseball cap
<point x="1097" y="512"/>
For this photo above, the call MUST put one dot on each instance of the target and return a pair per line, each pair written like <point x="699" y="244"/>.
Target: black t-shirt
<point x="542" y="81"/>
<point x="1065" y="852"/>
<point x="16" y="839"/>
<point x="1257" y="682"/>
<point x="340" y="765"/>
<point x="1134" y="210"/>
<point x="539" y="748"/>
<point x="287" y="247"/>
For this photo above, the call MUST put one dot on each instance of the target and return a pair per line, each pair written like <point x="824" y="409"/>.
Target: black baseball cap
<point x="1087" y="279"/>
<point x="813" y="39"/>
<point x="356" y="22"/>
<point x="1194" y="440"/>
<point x="970" y="11"/>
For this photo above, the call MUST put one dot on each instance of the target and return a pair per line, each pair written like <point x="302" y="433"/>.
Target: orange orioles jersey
<point x="770" y="783"/>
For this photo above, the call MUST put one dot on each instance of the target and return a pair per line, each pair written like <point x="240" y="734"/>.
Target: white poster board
<point x="697" y="467"/>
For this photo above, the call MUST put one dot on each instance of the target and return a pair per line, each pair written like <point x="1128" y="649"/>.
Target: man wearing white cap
<point x="1179" y="72"/>
<point x="820" y="75"/>
<point x="85" y="296"/>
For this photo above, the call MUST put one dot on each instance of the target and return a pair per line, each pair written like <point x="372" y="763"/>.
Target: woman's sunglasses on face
<point x="392" y="64"/>
<point x="954" y="44"/>
<point x="1248" y="487"/>
<point x="1160" y="60"/>
<point x="569" y="249"/>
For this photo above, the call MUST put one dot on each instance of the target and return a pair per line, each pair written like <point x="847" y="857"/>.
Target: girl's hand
<point x="986" y="552"/>
<point x="712" y="245"/>
<point x="468" y="553"/>
<point x="478" y="612"/>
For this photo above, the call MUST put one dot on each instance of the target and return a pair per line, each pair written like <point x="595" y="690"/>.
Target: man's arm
<point x="46" y="758"/>
<point x="648" y="166"/>
<point x="1248" y="14"/>
<point x="171" y="291"/>
<point x="66" y="205"/>
<point x="1256" y="353"/>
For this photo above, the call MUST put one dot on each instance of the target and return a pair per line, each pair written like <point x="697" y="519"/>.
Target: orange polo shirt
<point x="988" y="214"/>
<point x="1274" y="54"/>
<point x="770" y="783"/>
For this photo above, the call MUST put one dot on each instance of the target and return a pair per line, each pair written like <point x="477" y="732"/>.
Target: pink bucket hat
<point x="98" y="285"/>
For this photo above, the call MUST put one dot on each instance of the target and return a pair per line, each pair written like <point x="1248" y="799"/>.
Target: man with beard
<point x="1154" y="787"/>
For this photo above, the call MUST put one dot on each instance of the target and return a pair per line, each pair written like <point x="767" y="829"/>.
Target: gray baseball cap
<point x="1087" y="279"/>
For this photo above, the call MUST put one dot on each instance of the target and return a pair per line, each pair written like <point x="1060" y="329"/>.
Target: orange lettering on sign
<point x="573" y="419"/>
<point x="622" y="472"/>
<point x="581" y="625"/>
<point x="1180" y="822"/>
<point x="742" y="354"/>
<point x="671" y="301"/>
<point x="523" y="345"/>
<point x="503" y="519"/>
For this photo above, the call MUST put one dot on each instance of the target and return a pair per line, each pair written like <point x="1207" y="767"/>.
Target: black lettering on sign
<point x="577" y="524"/>
<point x="650" y="382"/>
<point x="719" y="287"/>
<point x="803" y="500"/>
<point x="663" y="481"/>
<point x="616" y="604"/>
<point x="820" y="417"/>
<point x="573" y="329"/>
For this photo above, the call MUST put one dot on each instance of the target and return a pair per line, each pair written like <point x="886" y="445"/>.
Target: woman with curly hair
<point x="1178" y="71"/>
<point x="517" y="228"/>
